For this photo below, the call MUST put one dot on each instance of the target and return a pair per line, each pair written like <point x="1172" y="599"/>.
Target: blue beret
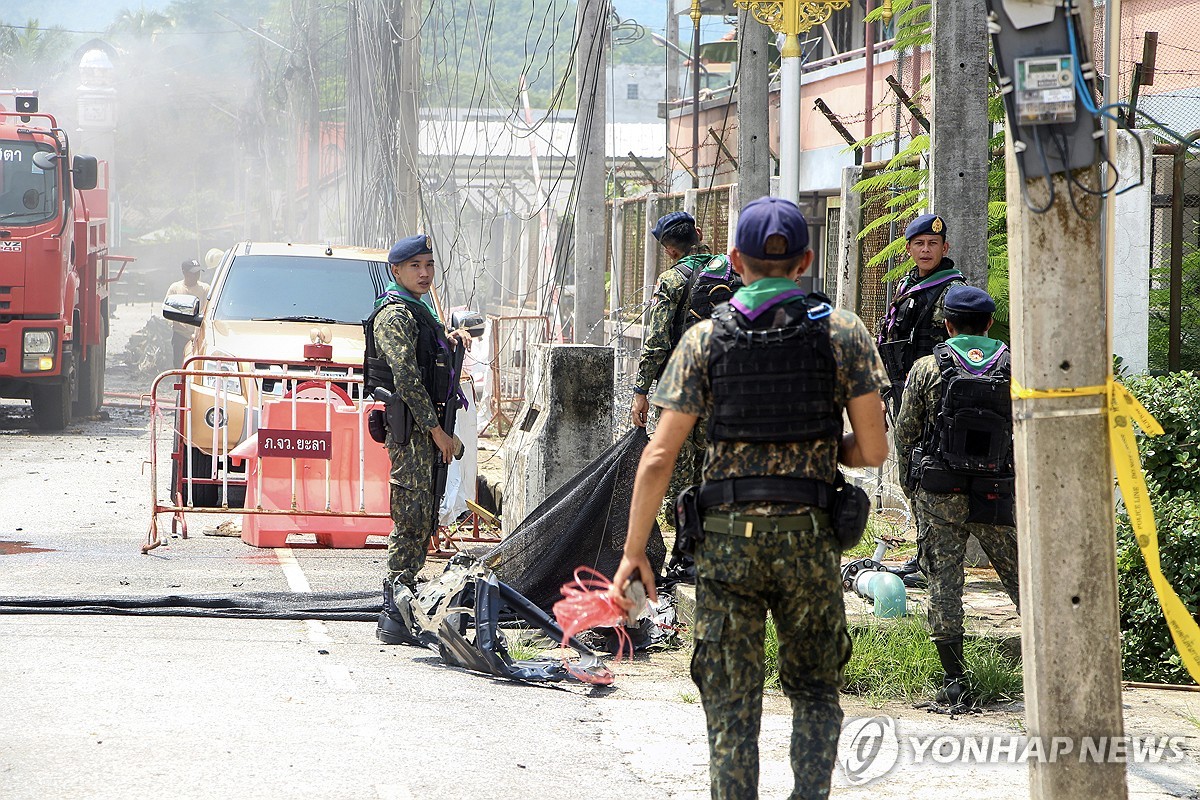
<point x="968" y="299"/>
<point x="408" y="247"/>
<point x="769" y="217"/>
<point x="926" y="223"/>
<point x="668" y="221"/>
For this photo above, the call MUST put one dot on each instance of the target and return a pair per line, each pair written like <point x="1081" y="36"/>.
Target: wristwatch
<point x="640" y="390"/>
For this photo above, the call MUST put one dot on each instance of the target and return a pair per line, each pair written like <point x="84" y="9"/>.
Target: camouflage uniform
<point x="941" y="527"/>
<point x="655" y="353"/>
<point x="792" y="574"/>
<point x="412" y="465"/>
<point x="937" y="324"/>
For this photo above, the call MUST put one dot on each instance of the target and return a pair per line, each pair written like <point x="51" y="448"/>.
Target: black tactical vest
<point x="433" y="360"/>
<point x="702" y="293"/>
<point x="774" y="384"/>
<point x="971" y="433"/>
<point x="909" y="332"/>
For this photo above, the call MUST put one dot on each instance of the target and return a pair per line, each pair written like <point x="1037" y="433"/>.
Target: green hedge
<point x="1172" y="465"/>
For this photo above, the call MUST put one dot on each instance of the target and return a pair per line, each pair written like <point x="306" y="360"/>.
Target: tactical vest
<point x="971" y="434"/>
<point x="908" y="332"/>
<point x="702" y="293"/>
<point x="774" y="384"/>
<point x="433" y="360"/>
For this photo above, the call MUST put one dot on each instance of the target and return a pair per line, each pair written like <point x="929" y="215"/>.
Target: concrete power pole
<point x="591" y="27"/>
<point x="1070" y="632"/>
<point x="754" y="157"/>
<point x="408" y="94"/>
<point x="958" y="161"/>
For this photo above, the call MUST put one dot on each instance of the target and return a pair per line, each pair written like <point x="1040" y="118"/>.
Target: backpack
<point x="707" y="287"/>
<point x="973" y="432"/>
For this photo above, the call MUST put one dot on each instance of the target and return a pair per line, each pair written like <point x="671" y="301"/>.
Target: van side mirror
<point x="85" y="171"/>
<point x="470" y="321"/>
<point x="182" y="308"/>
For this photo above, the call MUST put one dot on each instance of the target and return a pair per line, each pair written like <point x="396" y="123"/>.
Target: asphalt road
<point x="141" y="707"/>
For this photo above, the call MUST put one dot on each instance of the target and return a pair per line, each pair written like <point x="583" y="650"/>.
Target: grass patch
<point x="689" y="697"/>
<point x="895" y="660"/>
<point x="523" y="649"/>
<point x="878" y="525"/>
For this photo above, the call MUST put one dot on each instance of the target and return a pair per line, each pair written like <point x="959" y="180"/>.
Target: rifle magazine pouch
<point x="992" y="501"/>
<point x="689" y="525"/>
<point x="940" y="481"/>
<point x="376" y="425"/>
<point x="399" y="421"/>
<point x="849" y="512"/>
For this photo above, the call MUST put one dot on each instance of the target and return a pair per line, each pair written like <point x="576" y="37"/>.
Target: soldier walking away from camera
<point x="772" y="372"/>
<point x="181" y="334"/>
<point x="954" y="439"/>
<point x="408" y="354"/>
<point x="687" y="292"/>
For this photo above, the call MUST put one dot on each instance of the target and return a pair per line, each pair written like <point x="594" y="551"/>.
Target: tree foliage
<point x="901" y="189"/>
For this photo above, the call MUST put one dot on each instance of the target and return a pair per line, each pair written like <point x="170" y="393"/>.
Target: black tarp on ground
<point x="582" y="524"/>
<point x="330" y="606"/>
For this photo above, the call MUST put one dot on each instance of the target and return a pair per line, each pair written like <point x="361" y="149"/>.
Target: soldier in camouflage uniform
<point x="406" y="331"/>
<point x="668" y="316"/>
<point x="915" y="320"/>
<point x="942" y="516"/>
<point x="776" y="553"/>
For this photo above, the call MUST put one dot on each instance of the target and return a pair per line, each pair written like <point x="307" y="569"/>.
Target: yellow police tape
<point x="1124" y="408"/>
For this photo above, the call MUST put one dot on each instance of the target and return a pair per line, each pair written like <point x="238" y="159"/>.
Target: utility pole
<point x="958" y="162"/>
<point x="312" y="224"/>
<point x="591" y="28"/>
<point x="754" y="157"/>
<point x="1070" y="633"/>
<point x="408" y="94"/>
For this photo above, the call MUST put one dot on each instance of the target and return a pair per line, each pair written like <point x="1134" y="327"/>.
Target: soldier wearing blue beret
<point x="772" y="372"/>
<point x="408" y="353"/>
<point x="914" y="322"/>
<point x="687" y="292"/>
<point x="954" y="439"/>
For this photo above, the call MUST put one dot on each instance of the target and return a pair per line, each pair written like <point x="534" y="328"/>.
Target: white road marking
<point x="338" y="675"/>
<point x="296" y="580"/>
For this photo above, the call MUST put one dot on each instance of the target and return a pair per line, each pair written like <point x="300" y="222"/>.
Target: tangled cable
<point x="585" y="604"/>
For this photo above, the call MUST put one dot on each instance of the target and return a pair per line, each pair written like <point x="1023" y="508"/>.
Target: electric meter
<point x="1045" y="89"/>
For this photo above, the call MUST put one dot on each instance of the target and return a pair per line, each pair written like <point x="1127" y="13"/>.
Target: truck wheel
<point x="52" y="402"/>
<point x="91" y="382"/>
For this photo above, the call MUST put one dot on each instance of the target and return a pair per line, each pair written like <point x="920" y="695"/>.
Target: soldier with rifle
<point x="417" y="364"/>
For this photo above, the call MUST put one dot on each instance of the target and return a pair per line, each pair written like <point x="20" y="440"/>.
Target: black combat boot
<point x="910" y="572"/>
<point x="954" y="692"/>
<point x="394" y="626"/>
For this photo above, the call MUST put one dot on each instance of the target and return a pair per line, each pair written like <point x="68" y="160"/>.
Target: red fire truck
<point x="54" y="268"/>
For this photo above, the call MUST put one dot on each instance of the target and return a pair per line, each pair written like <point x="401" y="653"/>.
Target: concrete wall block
<point x="1132" y="249"/>
<point x="563" y="425"/>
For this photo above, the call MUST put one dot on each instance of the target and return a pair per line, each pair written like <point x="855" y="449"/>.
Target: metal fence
<point x="1174" y="329"/>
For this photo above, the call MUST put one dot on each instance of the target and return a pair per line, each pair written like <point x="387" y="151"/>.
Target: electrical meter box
<point x="1043" y="56"/>
<point x="1045" y="87"/>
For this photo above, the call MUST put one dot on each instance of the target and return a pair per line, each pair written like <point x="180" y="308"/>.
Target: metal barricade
<point x="215" y="423"/>
<point x="224" y="413"/>
<point x="512" y="339"/>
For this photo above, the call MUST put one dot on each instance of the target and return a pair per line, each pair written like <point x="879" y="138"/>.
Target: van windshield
<point x="28" y="194"/>
<point x="301" y="288"/>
